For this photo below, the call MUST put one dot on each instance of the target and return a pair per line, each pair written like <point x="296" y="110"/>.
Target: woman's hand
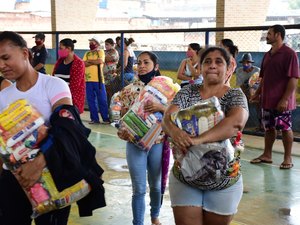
<point x="189" y="61"/>
<point x="123" y="133"/>
<point x="152" y="107"/>
<point x="181" y="139"/>
<point x="30" y="172"/>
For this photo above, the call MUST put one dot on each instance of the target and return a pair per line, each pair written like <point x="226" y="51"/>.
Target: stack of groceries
<point x="195" y="120"/>
<point x="115" y="108"/>
<point x="200" y="117"/>
<point x="144" y="127"/>
<point x="122" y="100"/>
<point x="21" y="131"/>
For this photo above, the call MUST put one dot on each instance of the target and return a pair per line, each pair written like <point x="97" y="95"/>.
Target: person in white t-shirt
<point x="45" y="93"/>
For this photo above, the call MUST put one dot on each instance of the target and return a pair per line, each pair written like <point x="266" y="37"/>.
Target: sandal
<point x="286" y="166"/>
<point x="259" y="160"/>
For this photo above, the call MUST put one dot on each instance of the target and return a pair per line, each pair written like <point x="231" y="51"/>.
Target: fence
<point x="170" y="44"/>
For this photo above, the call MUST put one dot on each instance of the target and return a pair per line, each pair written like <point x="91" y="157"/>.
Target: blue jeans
<point x="139" y="162"/>
<point x="97" y="101"/>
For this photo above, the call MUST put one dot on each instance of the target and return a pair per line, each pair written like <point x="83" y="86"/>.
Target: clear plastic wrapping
<point x="21" y="130"/>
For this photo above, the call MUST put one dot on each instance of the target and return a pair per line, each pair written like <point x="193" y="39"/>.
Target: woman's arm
<point x="112" y="56"/>
<point x="234" y="121"/>
<point x="180" y="138"/>
<point x="126" y="55"/>
<point x="62" y="101"/>
<point x="195" y="72"/>
<point x="153" y="107"/>
<point x="180" y="73"/>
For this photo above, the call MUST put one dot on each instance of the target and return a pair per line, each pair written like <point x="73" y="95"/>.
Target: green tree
<point x="294" y="4"/>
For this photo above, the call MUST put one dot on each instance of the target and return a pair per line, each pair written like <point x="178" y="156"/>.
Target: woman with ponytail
<point x="71" y="69"/>
<point x="141" y="162"/>
<point x="233" y="50"/>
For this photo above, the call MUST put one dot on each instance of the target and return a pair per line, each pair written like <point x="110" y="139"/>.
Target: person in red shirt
<point x="277" y="93"/>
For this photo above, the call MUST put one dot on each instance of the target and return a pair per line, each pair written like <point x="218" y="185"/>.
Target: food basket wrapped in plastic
<point x="209" y="166"/>
<point x="145" y="127"/>
<point x="21" y="130"/>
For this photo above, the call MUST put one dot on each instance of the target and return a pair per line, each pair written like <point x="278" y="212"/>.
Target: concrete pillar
<point x="232" y="13"/>
<point x="70" y="15"/>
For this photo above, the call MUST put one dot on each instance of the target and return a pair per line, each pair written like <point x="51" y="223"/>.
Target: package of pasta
<point x="45" y="197"/>
<point x="21" y="129"/>
<point x="24" y="150"/>
<point x="144" y="127"/>
<point x="17" y="121"/>
<point x="200" y="117"/>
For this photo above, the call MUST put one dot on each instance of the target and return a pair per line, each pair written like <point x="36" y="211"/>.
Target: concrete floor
<point x="271" y="195"/>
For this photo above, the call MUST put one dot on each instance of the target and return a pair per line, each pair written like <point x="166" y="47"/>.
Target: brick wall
<point x="232" y="13"/>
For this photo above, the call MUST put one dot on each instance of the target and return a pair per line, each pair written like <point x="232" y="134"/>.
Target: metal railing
<point x="171" y="44"/>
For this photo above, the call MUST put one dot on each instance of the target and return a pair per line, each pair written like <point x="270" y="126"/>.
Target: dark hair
<point x="195" y="46"/>
<point x="14" y="37"/>
<point x="233" y="49"/>
<point x="154" y="58"/>
<point x="227" y="42"/>
<point x="128" y="41"/>
<point x="67" y="42"/>
<point x="223" y="52"/>
<point x="110" y="41"/>
<point x="118" y="38"/>
<point x="277" y="28"/>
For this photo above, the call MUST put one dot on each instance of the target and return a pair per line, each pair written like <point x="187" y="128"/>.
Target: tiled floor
<point x="271" y="196"/>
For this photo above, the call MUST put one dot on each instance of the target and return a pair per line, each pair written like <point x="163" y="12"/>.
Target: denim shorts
<point x="222" y="202"/>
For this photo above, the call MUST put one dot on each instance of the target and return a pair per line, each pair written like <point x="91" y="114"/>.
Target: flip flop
<point x="286" y="166"/>
<point x="259" y="160"/>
